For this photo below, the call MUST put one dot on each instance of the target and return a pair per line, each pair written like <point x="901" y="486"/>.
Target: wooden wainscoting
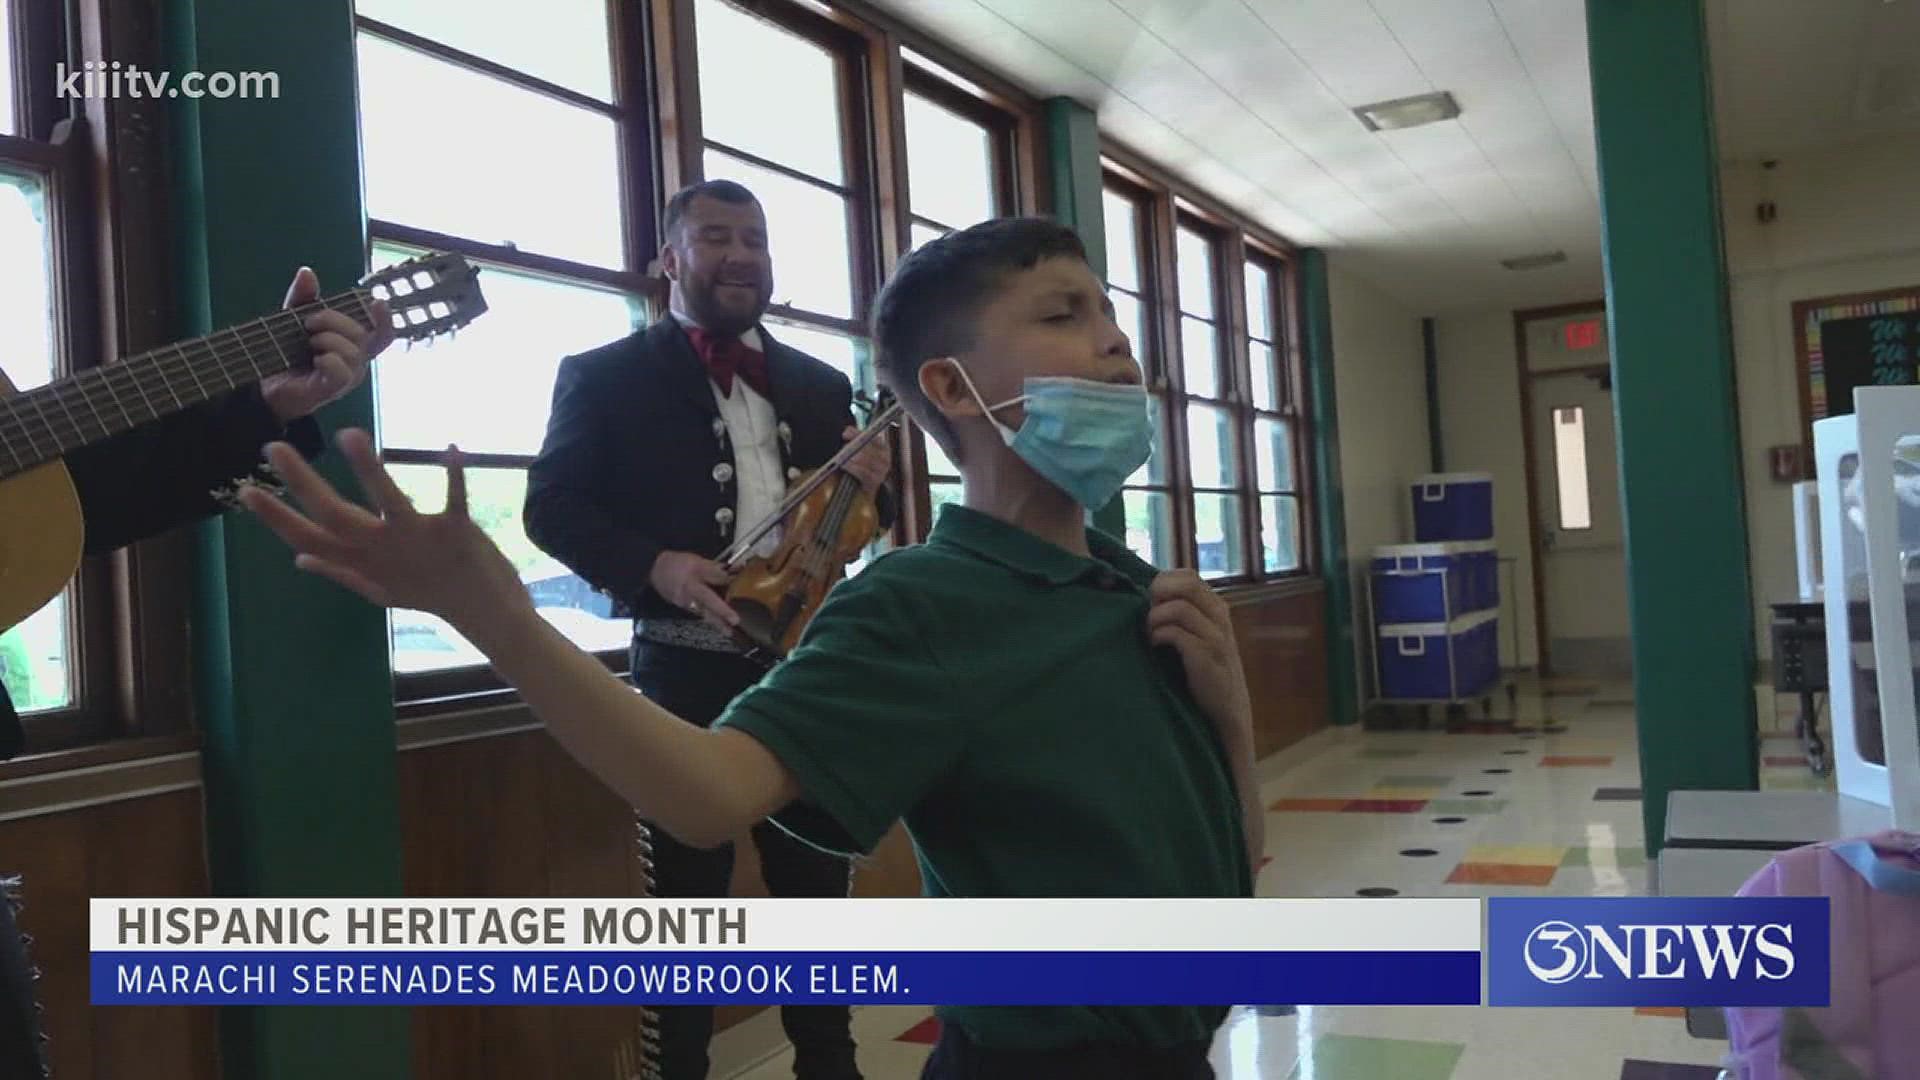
<point x="1282" y="631"/>
<point x="512" y="815"/>
<point x="151" y="845"/>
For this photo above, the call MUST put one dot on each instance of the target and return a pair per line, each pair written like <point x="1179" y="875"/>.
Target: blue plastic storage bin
<point x="1423" y="583"/>
<point x="1453" y="507"/>
<point x="1437" y="661"/>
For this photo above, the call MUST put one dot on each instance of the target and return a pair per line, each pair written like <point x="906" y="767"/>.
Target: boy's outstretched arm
<point x="703" y="786"/>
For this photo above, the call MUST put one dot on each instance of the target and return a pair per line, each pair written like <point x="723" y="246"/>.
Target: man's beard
<point x="725" y="319"/>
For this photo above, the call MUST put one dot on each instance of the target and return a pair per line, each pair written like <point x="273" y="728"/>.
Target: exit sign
<point x="1584" y="334"/>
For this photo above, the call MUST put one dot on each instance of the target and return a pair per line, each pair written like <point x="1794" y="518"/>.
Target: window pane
<point x="6" y="71"/>
<point x="1259" y="301"/>
<point x="938" y="463"/>
<point x="35" y="658"/>
<point x="1154" y="472"/>
<point x="1216" y="533"/>
<point x="922" y="234"/>
<point x="1132" y="318"/>
<point x="1211" y="462"/>
<point x="836" y="350"/>
<point x="26" y="303"/>
<point x="949" y="165"/>
<point x="806" y="235"/>
<point x="1280" y="533"/>
<point x="490" y="388"/>
<point x="35" y="655"/>
<point x="1123" y="241"/>
<point x="422" y="642"/>
<point x="1273" y="454"/>
<point x="1570" y="467"/>
<point x="741" y="58"/>
<point x="1266" y="377"/>
<point x="1194" y="261"/>
<point x="479" y="162"/>
<point x="940" y="495"/>
<point x="1150" y="526"/>
<point x="1200" y="356"/>
<point x="570" y="48"/>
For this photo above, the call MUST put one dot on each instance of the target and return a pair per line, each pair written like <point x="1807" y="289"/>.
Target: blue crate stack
<point x="1436" y="602"/>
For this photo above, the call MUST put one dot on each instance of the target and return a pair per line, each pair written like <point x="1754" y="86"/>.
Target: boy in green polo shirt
<point x="1049" y="715"/>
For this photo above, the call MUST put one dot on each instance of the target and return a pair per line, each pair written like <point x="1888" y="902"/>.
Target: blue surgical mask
<point x="1084" y="436"/>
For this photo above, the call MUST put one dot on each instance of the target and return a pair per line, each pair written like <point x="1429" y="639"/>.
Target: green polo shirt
<point x="1000" y="695"/>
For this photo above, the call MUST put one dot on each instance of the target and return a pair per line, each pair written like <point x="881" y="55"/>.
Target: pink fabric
<point x="1871" y="1028"/>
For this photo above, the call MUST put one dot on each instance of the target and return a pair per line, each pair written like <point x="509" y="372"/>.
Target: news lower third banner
<point x="891" y="952"/>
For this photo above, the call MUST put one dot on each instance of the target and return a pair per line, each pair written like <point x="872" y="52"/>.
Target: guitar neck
<point x="50" y="421"/>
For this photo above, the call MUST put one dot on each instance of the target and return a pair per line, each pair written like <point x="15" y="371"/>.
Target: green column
<point x="1329" y="502"/>
<point x="1073" y="153"/>
<point x="1674" y="400"/>
<point x="294" y="690"/>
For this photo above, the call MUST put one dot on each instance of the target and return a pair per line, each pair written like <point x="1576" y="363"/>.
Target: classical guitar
<point x="41" y="532"/>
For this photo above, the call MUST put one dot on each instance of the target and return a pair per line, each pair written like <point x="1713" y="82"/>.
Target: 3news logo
<point x="1658" y="951"/>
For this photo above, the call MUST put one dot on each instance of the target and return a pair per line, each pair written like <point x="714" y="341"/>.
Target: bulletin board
<point x="1846" y="342"/>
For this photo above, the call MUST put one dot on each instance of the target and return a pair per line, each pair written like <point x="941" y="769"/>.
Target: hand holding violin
<point x="873" y="463"/>
<point x="687" y="581"/>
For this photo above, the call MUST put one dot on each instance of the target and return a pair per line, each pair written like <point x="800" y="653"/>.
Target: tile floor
<point x="1546" y="805"/>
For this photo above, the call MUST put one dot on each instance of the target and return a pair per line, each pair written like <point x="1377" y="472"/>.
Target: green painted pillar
<point x="1073" y="152"/>
<point x="1674" y="401"/>
<point x="1329" y="501"/>
<point x="294" y="689"/>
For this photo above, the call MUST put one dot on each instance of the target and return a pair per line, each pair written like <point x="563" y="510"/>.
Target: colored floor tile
<point x="1501" y="874"/>
<point x="1576" y="761"/>
<point x="1403" y="794"/>
<point x="1618" y="857"/>
<point x="1671" y="1012"/>
<point x="1386" y="806"/>
<point x="1661" y="1070"/>
<point x="1467" y="806"/>
<point x="1354" y="1057"/>
<point x="1618" y="794"/>
<point x="1518" y="854"/>
<point x="1309" y="806"/>
<point x="926" y="1032"/>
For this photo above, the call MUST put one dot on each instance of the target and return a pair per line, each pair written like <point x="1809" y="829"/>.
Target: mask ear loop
<point x="1006" y="432"/>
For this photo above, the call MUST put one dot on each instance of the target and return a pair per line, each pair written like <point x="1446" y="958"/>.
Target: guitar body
<point x="41" y="537"/>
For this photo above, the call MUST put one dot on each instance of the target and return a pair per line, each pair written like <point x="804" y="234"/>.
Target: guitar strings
<point x="214" y="357"/>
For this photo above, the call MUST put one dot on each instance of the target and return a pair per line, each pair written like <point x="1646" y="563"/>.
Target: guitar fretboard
<point x="48" y="422"/>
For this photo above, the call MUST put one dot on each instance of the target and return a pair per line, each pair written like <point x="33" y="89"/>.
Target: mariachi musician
<point x="661" y="449"/>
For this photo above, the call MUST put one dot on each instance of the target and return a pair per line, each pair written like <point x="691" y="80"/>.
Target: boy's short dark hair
<point x="929" y="307"/>
<point x="727" y="191"/>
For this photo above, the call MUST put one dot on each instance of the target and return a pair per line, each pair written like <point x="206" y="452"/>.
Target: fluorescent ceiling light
<point x="1408" y="112"/>
<point x="1535" y="262"/>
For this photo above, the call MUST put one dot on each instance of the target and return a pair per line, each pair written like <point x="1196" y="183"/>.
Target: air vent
<point x="1535" y="262"/>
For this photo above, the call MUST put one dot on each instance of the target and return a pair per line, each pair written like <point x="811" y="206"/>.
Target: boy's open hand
<point x="398" y="557"/>
<point x="1192" y="618"/>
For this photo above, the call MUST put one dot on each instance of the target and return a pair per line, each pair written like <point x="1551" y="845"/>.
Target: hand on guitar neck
<point x="342" y="349"/>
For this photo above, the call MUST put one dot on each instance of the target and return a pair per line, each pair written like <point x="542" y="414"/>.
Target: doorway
<point x="1579" y="545"/>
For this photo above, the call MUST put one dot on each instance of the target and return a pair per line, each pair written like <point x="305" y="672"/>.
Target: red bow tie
<point x="725" y="357"/>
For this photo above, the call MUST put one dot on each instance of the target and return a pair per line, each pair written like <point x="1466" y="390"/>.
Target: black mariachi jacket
<point x="637" y="460"/>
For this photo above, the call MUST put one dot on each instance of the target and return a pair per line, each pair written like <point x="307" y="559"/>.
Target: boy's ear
<point x="944" y="388"/>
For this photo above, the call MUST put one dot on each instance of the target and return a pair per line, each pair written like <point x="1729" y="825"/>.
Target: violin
<point x="830" y="519"/>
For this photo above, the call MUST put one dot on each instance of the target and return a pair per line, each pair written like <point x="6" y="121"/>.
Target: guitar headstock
<point x="433" y="294"/>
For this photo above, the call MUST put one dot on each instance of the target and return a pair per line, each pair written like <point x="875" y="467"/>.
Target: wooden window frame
<point x="1151" y="354"/>
<point x="1172" y="204"/>
<point x="112" y="265"/>
<point x="638" y="128"/>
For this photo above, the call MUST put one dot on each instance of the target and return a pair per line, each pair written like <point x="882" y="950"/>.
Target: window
<point x="559" y="279"/>
<point x="1208" y="306"/>
<point x="1570" y="468"/>
<point x="956" y="177"/>
<point x="1147" y="497"/>
<point x="1276" y="469"/>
